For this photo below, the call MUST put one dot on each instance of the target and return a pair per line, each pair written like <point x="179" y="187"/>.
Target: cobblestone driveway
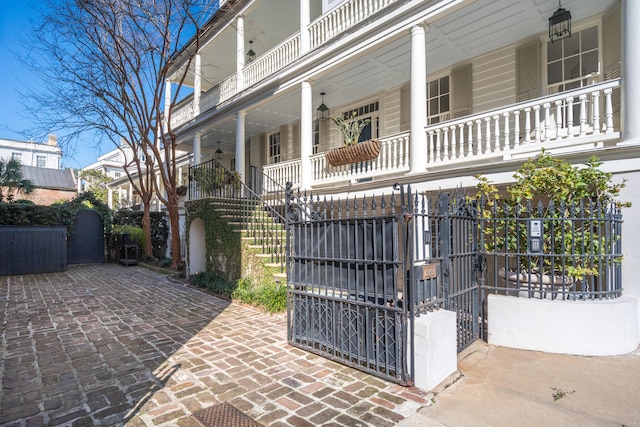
<point x="112" y="345"/>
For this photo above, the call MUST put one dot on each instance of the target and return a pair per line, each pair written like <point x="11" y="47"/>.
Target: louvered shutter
<point x="528" y="81"/>
<point x="461" y="77"/>
<point x="405" y="108"/>
<point x="611" y="53"/>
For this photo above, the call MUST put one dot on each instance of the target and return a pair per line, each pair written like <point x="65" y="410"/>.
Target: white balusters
<point x="583" y="114"/>
<point x="608" y="110"/>
<point x="595" y="97"/>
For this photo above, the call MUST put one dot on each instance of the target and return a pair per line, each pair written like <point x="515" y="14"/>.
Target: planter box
<point x="362" y="151"/>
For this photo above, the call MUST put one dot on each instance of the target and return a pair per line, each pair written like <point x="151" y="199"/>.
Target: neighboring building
<point x="111" y="163"/>
<point x="50" y="185"/>
<point x="452" y="89"/>
<point x="28" y="153"/>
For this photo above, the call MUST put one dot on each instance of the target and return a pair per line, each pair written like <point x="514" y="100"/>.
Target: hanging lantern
<point x="560" y="24"/>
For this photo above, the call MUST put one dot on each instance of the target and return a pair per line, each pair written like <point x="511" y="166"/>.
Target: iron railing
<point x="566" y="252"/>
<point x="258" y="219"/>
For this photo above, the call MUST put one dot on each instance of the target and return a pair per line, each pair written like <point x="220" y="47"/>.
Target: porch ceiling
<point x="478" y="28"/>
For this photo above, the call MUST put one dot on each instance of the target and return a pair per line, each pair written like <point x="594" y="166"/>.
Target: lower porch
<point x="584" y="120"/>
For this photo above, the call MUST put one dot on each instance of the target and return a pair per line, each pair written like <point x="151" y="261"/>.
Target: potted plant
<point x="352" y="151"/>
<point x="569" y="205"/>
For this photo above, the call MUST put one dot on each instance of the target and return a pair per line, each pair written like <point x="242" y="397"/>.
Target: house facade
<point x="451" y="89"/>
<point x="29" y="153"/>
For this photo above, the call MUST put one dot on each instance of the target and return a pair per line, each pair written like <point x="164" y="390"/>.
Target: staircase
<point x="244" y="209"/>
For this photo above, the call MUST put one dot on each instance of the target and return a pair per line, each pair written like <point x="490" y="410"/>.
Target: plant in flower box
<point x="352" y="151"/>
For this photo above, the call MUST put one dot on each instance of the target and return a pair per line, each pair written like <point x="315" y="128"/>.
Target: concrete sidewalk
<point x="506" y="387"/>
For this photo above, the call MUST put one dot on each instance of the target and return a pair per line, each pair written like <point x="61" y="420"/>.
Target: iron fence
<point x="566" y="252"/>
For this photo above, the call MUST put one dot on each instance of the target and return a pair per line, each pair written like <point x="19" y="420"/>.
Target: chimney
<point x="53" y="139"/>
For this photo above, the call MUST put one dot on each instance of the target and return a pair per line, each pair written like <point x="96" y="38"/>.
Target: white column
<point x="131" y="195"/>
<point x="167" y="104"/>
<point x="110" y="198"/>
<point x="306" y="135"/>
<point x="197" y="85"/>
<point x="240" y="52"/>
<point x="305" y="15"/>
<point x="240" y="151"/>
<point x="418" y="144"/>
<point x="630" y="70"/>
<point x="196" y="149"/>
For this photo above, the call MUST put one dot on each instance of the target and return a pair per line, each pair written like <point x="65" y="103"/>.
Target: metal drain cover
<point x="224" y="415"/>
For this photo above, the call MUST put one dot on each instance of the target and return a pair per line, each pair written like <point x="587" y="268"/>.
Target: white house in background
<point x="29" y="153"/>
<point x="453" y="88"/>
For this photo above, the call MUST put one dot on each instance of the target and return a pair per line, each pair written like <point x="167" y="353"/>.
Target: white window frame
<point x="274" y="139"/>
<point x="440" y="116"/>
<point x="591" y="78"/>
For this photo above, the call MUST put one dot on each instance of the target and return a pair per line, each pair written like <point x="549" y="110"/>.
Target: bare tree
<point x="108" y="62"/>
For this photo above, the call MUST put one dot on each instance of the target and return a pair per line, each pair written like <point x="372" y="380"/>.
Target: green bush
<point x="271" y="296"/>
<point x="137" y="234"/>
<point x="159" y="227"/>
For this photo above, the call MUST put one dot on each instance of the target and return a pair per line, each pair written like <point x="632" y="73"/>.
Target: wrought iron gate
<point x="359" y="270"/>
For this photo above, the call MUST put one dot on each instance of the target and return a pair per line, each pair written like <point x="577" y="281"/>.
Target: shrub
<point x="571" y="203"/>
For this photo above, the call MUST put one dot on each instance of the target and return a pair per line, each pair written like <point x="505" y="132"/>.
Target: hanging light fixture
<point x="559" y="24"/>
<point x="250" y="54"/>
<point x="322" y="112"/>
<point x="219" y="152"/>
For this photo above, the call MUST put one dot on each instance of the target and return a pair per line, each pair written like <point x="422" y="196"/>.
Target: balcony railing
<point x="322" y="30"/>
<point x="574" y="117"/>
<point x="577" y="120"/>
<point x="275" y="59"/>
<point x="342" y="18"/>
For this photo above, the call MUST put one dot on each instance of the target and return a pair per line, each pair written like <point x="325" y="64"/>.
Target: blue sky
<point x="15" y="123"/>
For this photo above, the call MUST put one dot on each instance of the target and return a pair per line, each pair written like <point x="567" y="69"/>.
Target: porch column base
<point x="435" y="348"/>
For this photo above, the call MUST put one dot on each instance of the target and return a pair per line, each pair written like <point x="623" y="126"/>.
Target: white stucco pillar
<point x="418" y="145"/>
<point x="240" y="52"/>
<point x="240" y="149"/>
<point x="305" y="16"/>
<point x="197" y="85"/>
<point x="130" y="196"/>
<point x="196" y="149"/>
<point x="110" y="198"/>
<point x="306" y="135"/>
<point x="167" y="104"/>
<point x="630" y="70"/>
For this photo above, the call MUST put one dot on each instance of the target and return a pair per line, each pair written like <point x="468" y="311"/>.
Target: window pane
<point x="433" y="89"/>
<point x="444" y="85"/>
<point x="572" y="85"/>
<point x="572" y="45"/>
<point x="433" y="107"/>
<point x="554" y="72"/>
<point x="444" y="104"/>
<point x="589" y="38"/>
<point x="590" y="62"/>
<point x="572" y="68"/>
<point x="554" y="51"/>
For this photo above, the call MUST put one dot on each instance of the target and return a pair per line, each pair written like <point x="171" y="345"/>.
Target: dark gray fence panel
<point x="86" y="245"/>
<point x="32" y="250"/>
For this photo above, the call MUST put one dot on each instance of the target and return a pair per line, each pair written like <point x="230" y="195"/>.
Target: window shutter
<point x="461" y="88"/>
<point x="528" y="81"/>
<point x="611" y="52"/>
<point x="405" y="108"/>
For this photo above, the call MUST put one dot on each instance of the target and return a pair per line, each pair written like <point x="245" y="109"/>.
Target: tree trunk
<point x="146" y="225"/>
<point x="174" y="224"/>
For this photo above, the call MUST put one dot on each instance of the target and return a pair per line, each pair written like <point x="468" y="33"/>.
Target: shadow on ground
<point x="89" y="346"/>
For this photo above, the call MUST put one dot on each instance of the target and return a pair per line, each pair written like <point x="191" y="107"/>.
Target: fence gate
<point x="446" y="262"/>
<point x="86" y="245"/>
<point x="360" y="270"/>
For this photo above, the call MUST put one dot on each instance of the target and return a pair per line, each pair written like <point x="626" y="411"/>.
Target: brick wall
<point x="46" y="197"/>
